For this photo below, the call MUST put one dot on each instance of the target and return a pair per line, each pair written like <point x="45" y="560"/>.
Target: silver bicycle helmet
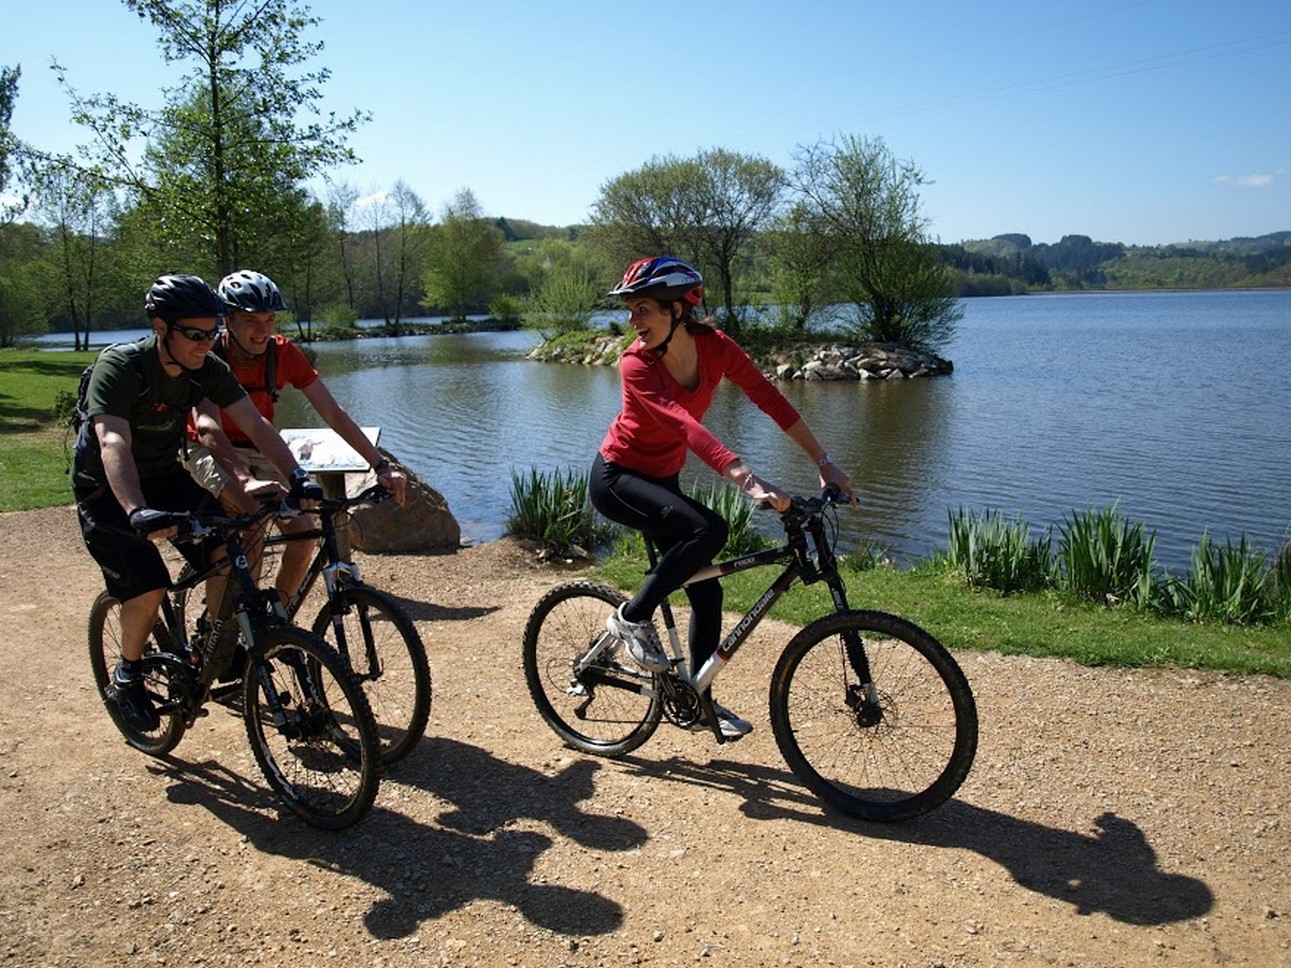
<point x="251" y="292"/>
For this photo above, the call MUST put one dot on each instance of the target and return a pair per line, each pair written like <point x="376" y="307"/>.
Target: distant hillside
<point x="1011" y="263"/>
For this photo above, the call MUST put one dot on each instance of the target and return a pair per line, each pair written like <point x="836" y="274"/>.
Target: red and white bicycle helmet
<point x="662" y="277"/>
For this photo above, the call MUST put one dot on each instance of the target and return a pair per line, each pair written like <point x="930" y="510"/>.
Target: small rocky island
<point x="831" y="361"/>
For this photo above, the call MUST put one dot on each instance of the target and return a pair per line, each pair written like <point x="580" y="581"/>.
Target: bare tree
<point x="410" y="223"/>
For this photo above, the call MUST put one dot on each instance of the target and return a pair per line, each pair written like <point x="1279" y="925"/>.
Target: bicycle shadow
<point x="420" y="611"/>
<point x="1113" y="871"/>
<point x="425" y="872"/>
<point x="470" y="777"/>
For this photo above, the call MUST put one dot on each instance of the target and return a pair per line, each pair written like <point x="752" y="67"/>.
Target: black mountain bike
<point x="368" y="628"/>
<point x="868" y="709"/>
<point x="307" y="718"/>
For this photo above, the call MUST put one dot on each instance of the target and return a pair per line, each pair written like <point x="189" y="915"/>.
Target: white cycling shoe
<point x="641" y="639"/>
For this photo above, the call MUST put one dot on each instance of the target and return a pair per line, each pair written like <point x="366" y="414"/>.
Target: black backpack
<point x="134" y="354"/>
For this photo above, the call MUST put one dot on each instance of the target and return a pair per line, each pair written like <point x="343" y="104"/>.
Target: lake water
<point x="1173" y="405"/>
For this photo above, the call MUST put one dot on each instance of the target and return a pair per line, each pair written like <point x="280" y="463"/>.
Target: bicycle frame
<point x="798" y="565"/>
<point x="242" y="598"/>
<point x="795" y="554"/>
<point x="328" y="561"/>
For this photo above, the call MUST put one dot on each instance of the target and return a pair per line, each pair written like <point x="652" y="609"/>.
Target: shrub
<point x="992" y="552"/>
<point x="1229" y="584"/>
<point x="337" y="314"/>
<point x="1104" y="558"/>
<point x="553" y="509"/>
<point x="506" y="308"/>
<point x="564" y="302"/>
<point x="868" y="554"/>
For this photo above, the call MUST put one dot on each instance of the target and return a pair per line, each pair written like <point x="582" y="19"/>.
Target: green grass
<point x="33" y="459"/>
<point x="1041" y="624"/>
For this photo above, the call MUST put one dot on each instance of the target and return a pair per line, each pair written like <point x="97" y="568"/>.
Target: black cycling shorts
<point x="132" y="565"/>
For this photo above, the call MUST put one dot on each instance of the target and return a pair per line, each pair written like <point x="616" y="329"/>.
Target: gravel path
<point x="1112" y="818"/>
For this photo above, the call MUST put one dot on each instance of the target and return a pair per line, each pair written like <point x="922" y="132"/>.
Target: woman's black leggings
<point x="688" y="535"/>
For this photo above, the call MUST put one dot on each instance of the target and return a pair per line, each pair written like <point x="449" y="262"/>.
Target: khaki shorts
<point x="208" y="473"/>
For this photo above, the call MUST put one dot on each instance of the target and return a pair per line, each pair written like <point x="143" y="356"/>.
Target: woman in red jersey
<point x="669" y="374"/>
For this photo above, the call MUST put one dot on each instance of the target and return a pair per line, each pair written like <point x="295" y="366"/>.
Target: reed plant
<point x="1282" y="583"/>
<point x="866" y="556"/>
<point x="990" y="551"/>
<point x="553" y="509"/>
<point x="1105" y="558"/>
<point x="737" y="511"/>
<point x="1235" y="584"/>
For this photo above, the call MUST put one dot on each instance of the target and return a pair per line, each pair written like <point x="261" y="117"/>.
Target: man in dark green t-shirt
<point x="126" y="473"/>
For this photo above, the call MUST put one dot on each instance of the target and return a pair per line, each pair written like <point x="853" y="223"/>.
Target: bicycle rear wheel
<point x="374" y="634"/>
<point x="105" y="652"/>
<point x="874" y="715"/>
<point x="609" y="708"/>
<point x="311" y="728"/>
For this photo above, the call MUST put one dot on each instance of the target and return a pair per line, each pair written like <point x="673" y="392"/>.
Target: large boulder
<point x="423" y="523"/>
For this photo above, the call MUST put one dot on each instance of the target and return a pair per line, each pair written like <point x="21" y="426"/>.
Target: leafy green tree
<point x="20" y="301"/>
<point x="21" y="305"/>
<point x="230" y="139"/>
<point x="81" y="214"/>
<point x="887" y="268"/>
<point x="800" y="252"/>
<point x="707" y="210"/>
<point x="465" y="251"/>
<point x="737" y="198"/>
<point x="8" y="95"/>
<point x="649" y="211"/>
<point x="341" y="197"/>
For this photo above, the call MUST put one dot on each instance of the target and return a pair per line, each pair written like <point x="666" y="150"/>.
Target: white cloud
<point x="376" y="198"/>
<point x="1247" y="181"/>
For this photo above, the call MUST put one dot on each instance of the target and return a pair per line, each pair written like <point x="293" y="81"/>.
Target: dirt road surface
<point x="1112" y="818"/>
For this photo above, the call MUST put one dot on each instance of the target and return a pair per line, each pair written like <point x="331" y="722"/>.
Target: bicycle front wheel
<point x="311" y="728"/>
<point x="105" y="652"/>
<point x="381" y="644"/>
<point x="606" y="706"/>
<point x="874" y="715"/>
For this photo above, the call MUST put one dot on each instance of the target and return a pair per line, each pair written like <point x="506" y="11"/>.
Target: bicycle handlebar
<point x="195" y="527"/>
<point x="374" y="494"/>
<point x="802" y="508"/>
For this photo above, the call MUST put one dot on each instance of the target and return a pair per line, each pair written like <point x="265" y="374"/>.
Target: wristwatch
<point x="825" y="458"/>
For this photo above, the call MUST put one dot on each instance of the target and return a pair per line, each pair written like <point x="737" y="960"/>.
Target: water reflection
<point x="1173" y="405"/>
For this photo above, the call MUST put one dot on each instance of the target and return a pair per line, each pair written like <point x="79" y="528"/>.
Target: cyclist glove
<point x="146" y="521"/>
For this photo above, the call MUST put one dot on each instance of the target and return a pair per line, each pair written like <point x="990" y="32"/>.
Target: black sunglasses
<point x="196" y="334"/>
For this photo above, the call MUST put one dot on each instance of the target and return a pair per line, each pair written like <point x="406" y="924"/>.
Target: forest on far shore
<point x="1011" y="263"/>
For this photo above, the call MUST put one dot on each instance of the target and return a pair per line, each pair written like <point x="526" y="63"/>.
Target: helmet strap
<point x="662" y="348"/>
<point x="235" y="343"/>
<point x="163" y="343"/>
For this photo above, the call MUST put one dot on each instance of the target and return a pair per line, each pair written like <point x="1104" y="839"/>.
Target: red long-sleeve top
<point x="660" y="418"/>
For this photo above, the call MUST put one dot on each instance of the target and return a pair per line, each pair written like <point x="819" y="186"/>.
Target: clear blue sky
<point x="1141" y="122"/>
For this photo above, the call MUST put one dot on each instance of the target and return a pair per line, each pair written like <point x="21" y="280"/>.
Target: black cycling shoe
<point x="133" y="703"/>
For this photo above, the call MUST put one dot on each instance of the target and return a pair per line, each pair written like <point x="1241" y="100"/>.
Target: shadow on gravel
<point x="1113" y="870"/>
<point x="427" y="612"/>
<point x="427" y="871"/>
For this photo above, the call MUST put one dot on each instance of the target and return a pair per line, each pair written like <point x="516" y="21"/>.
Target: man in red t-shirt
<point x="265" y="362"/>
